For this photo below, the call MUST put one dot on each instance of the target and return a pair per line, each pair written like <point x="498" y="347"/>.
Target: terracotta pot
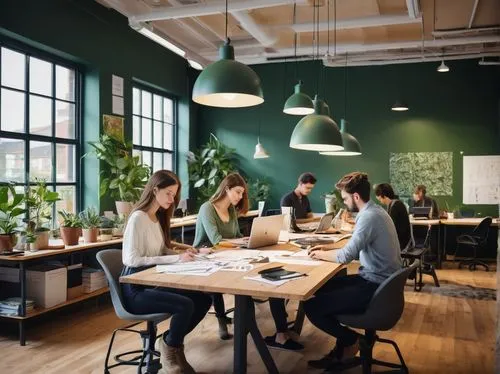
<point x="41" y="242"/>
<point x="70" y="235"/>
<point x="90" y="235"/>
<point x="123" y="207"/>
<point x="7" y="242"/>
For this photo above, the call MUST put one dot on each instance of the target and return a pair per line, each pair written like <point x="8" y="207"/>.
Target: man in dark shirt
<point x="422" y="200"/>
<point x="397" y="210"/>
<point x="297" y="199"/>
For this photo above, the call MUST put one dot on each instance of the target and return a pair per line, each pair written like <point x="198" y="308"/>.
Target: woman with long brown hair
<point x="146" y="243"/>
<point x="218" y="220"/>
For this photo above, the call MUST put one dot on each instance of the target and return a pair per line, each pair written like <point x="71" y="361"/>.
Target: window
<point x="39" y="124"/>
<point x="154" y="130"/>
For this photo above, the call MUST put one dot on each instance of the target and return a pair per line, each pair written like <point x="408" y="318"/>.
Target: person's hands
<point x="205" y="251"/>
<point x="191" y="250"/>
<point x="321" y="255"/>
<point x="316" y="248"/>
<point x="186" y="256"/>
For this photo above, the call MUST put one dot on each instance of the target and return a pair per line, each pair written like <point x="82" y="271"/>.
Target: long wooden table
<point x="233" y="283"/>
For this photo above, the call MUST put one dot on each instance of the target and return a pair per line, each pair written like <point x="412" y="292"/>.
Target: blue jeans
<point x="349" y="294"/>
<point x="186" y="307"/>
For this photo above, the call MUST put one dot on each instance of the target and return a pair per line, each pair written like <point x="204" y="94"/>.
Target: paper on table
<point x="296" y="260"/>
<point x="192" y="268"/>
<point x="258" y="278"/>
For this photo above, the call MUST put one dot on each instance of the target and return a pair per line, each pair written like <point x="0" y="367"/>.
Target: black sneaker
<point x="289" y="345"/>
<point x="326" y="361"/>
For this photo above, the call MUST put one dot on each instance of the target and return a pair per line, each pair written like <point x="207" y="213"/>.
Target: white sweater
<point x="143" y="243"/>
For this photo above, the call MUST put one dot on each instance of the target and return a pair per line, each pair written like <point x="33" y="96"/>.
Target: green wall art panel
<point x="432" y="169"/>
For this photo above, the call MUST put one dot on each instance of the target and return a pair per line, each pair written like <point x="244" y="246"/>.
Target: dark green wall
<point x="458" y="111"/>
<point x="102" y="43"/>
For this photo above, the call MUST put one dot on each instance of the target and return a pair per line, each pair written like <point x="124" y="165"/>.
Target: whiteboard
<point x="481" y="180"/>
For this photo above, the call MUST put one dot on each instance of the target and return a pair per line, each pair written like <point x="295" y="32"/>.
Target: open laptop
<point x="421" y="212"/>
<point x="324" y="225"/>
<point x="265" y="231"/>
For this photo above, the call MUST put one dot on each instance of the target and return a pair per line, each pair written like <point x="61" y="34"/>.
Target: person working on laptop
<point x="397" y="210"/>
<point x="218" y="220"/>
<point x="375" y="242"/>
<point x="146" y="243"/>
<point x="297" y="199"/>
<point x="421" y="200"/>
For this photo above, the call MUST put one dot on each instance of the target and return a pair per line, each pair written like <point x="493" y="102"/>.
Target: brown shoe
<point x="185" y="366"/>
<point x="170" y="359"/>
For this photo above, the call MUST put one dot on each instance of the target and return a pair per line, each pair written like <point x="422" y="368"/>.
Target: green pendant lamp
<point x="228" y="83"/>
<point x="350" y="143"/>
<point x="399" y="106"/>
<point x="317" y="131"/>
<point x="299" y="104"/>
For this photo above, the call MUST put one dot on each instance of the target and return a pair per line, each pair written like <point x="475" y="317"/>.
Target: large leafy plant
<point x="258" y="190"/>
<point x="39" y="200"/>
<point x="10" y="209"/>
<point x="208" y="166"/>
<point x="124" y="177"/>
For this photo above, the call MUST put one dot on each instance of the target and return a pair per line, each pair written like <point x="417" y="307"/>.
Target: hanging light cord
<point x="334" y="28"/>
<point x="295" y="39"/>
<point x="328" y="26"/>
<point x="227" y="39"/>
<point x="316" y="20"/>
<point x="345" y="87"/>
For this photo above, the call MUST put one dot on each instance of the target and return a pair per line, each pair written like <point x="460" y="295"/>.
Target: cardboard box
<point x="75" y="286"/>
<point x="47" y="285"/>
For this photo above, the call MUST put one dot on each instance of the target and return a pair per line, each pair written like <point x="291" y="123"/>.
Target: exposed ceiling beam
<point x="413" y="8"/>
<point x="473" y="14"/>
<point x="257" y="31"/>
<point x="355" y="23"/>
<point x="205" y="9"/>
<point x="458" y="32"/>
<point x="360" y="48"/>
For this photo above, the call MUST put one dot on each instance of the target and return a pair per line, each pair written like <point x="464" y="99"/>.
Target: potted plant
<point x="9" y="211"/>
<point x="124" y="177"/>
<point x="258" y="192"/>
<point x="90" y="223"/>
<point x="208" y="166"/>
<point x="39" y="200"/>
<point x="70" y="229"/>
<point x="333" y="201"/>
<point x="118" y="225"/>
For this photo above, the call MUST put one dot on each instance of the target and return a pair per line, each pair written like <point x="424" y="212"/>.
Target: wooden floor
<point x="436" y="334"/>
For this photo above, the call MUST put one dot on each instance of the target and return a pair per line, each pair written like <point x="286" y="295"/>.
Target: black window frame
<point x="174" y="124"/>
<point x="29" y="51"/>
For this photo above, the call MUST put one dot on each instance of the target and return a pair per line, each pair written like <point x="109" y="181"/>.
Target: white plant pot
<point x="41" y="242"/>
<point x="329" y="200"/>
<point x="123" y="207"/>
<point x="451" y="215"/>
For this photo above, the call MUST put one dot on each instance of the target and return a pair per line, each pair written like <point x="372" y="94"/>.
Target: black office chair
<point x="111" y="262"/>
<point x="416" y="252"/>
<point x="476" y="240"/>
<point x="383" y="312"/>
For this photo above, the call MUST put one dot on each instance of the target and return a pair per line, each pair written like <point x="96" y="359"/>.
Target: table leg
<point x="244" y="323"/>
<point x="441" y="248"/>
<point x="299" y="318"/>
<point x="22" y="281"/>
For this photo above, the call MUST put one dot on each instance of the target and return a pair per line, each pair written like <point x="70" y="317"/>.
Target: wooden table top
<point x="233" y="283"/>
<point x="26" y="256"/>
<point x="467" y="221"/>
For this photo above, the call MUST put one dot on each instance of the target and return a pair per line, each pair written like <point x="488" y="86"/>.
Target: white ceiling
<point x="370" y="32"/>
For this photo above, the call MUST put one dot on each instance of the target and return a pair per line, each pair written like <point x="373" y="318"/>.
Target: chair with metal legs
<point x="111" y="262"/>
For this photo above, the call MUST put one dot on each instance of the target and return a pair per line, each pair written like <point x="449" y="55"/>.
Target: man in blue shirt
<point x="375" y="243"/>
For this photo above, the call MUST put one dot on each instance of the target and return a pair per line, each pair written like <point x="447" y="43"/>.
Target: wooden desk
<point x="467" y="221"/>
<point x="243" y="290"/>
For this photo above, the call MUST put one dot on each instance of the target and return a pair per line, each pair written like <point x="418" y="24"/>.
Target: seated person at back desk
<point x="397" y="210"/>
<point x="421" y="200"/>
<point x="297" y="199"/>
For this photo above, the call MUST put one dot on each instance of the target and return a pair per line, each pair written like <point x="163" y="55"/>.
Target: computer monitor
<point x="421" y="212"/>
